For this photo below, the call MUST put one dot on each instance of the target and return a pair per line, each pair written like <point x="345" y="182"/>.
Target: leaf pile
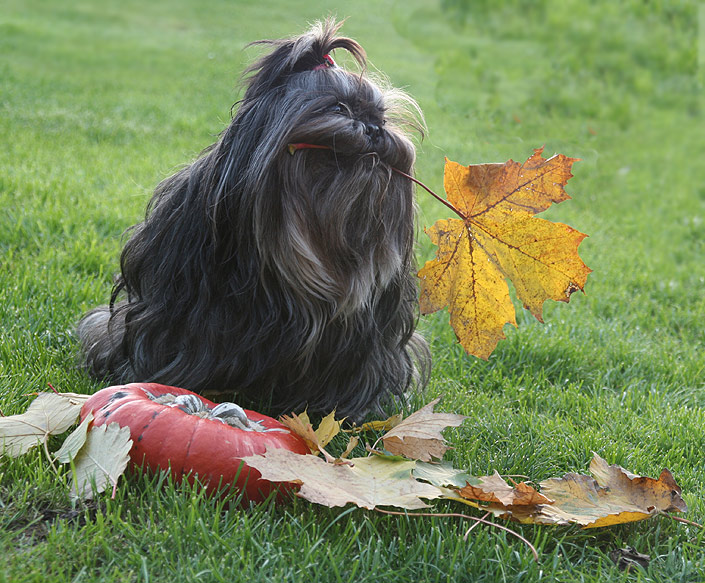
<point x="411" y="472"/>
<point x="407" y="472"/>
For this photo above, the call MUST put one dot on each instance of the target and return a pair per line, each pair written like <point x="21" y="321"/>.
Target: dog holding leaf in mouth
<point x="280" y="264"/>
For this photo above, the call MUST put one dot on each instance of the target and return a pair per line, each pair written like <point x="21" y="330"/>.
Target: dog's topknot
<point x="301" y="53"/>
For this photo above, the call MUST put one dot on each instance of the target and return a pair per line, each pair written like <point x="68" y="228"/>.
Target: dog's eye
<point x="337" y="108"/>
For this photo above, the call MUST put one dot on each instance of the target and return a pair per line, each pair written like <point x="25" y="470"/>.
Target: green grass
<point x="100" y="100"/>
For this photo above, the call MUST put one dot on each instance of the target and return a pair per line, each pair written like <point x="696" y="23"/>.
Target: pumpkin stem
<point x="228" y="413"/>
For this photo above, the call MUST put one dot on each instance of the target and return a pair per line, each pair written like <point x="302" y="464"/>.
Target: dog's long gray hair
<point x="272" y="269"/>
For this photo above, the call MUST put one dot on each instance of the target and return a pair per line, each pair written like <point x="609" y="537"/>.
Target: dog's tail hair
<point x="101" y="340"/>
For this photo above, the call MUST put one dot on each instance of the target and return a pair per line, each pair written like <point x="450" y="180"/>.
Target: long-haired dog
<point x="280" y="264"/>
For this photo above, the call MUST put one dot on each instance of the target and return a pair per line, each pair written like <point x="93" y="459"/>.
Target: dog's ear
<point x="308" y="52"/>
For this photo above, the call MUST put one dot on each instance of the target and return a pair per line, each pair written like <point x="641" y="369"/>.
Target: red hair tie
<point x="301" y="146"/>
<point x="326" y="64"/>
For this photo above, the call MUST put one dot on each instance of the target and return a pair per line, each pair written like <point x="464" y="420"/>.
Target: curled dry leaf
<point x="316" y="440"/>
<point x="352" y="444"/>
<point x="419" y="436"/>
<point x="613" y="496"/>
<point x="382" y="425"/>
<point x="497" y="238"/>
<point x="494" y="489"/>
<point x="301" y="426"/>
<point x="328" y="428"/>
<point x="629" y="557"/>
<point x="49" y="414"/>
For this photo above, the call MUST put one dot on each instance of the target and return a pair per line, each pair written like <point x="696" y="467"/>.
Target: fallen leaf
<point x="74" y="442"/>
<point x="419" y="435"/>
<point x="369" y="483"/>
<point x="443" y="474"/>
<point x="301" y="425"/>
<point x="352" y="444"/>
<point x="380" y="425"/>
<point x="49" y="414"/>
<point x="101" y="461"/>
<point x="497" y="238"/>
<point x="613" y="496"/>
<point x="383" y="468"/>
<point x="629" y="557"/>
<point x="495" y="489"/>
<point x="328" y="428"/>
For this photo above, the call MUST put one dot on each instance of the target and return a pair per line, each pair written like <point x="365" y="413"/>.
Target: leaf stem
<point x="683" y="520"/>
<point x="427" y="189"/>
<point x="467" y="532"/>
<point x="458" y="515"/>
<point x="293" y="148"/>
<point x="46" y="452"/>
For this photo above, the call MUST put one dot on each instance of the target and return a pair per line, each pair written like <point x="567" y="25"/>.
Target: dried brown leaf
<point x="613" y="496"/>
<point x="301" y="425"/>
<point x="419" y="435"/>
<point x="495" y="489"/>
<point x="328" y="428"/>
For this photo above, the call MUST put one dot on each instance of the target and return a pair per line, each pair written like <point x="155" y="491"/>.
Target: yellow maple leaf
<point x="497" y="238"/>
<point x="316" y="440"/>
<point x="328" y="428"/>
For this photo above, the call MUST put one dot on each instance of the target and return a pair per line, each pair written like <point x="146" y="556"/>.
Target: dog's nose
<point x="373" y="131"/>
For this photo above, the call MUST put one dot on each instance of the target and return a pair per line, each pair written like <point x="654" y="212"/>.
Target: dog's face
<point x="333" y="221"/>
<point x="349" y="114"/>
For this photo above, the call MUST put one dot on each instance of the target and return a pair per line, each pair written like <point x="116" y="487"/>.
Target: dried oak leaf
<point x="367" y="482"/>
<point x="49" y="414"/>
<point x="419" y="436"/>
<point x="497" y="238"/>
<point x="613" y="496"/>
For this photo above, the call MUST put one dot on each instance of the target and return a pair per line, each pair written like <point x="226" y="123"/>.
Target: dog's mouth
<point x="294" y="147"/>
<point x="369" y="140"/>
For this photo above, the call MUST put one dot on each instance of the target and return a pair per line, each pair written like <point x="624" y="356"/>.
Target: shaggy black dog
<point x="279" y="266"/>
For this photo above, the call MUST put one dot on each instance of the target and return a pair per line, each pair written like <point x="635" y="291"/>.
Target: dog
<point x="279" y="266"/>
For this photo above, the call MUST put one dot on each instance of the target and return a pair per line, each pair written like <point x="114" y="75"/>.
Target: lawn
<point x="99" y="100"/>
